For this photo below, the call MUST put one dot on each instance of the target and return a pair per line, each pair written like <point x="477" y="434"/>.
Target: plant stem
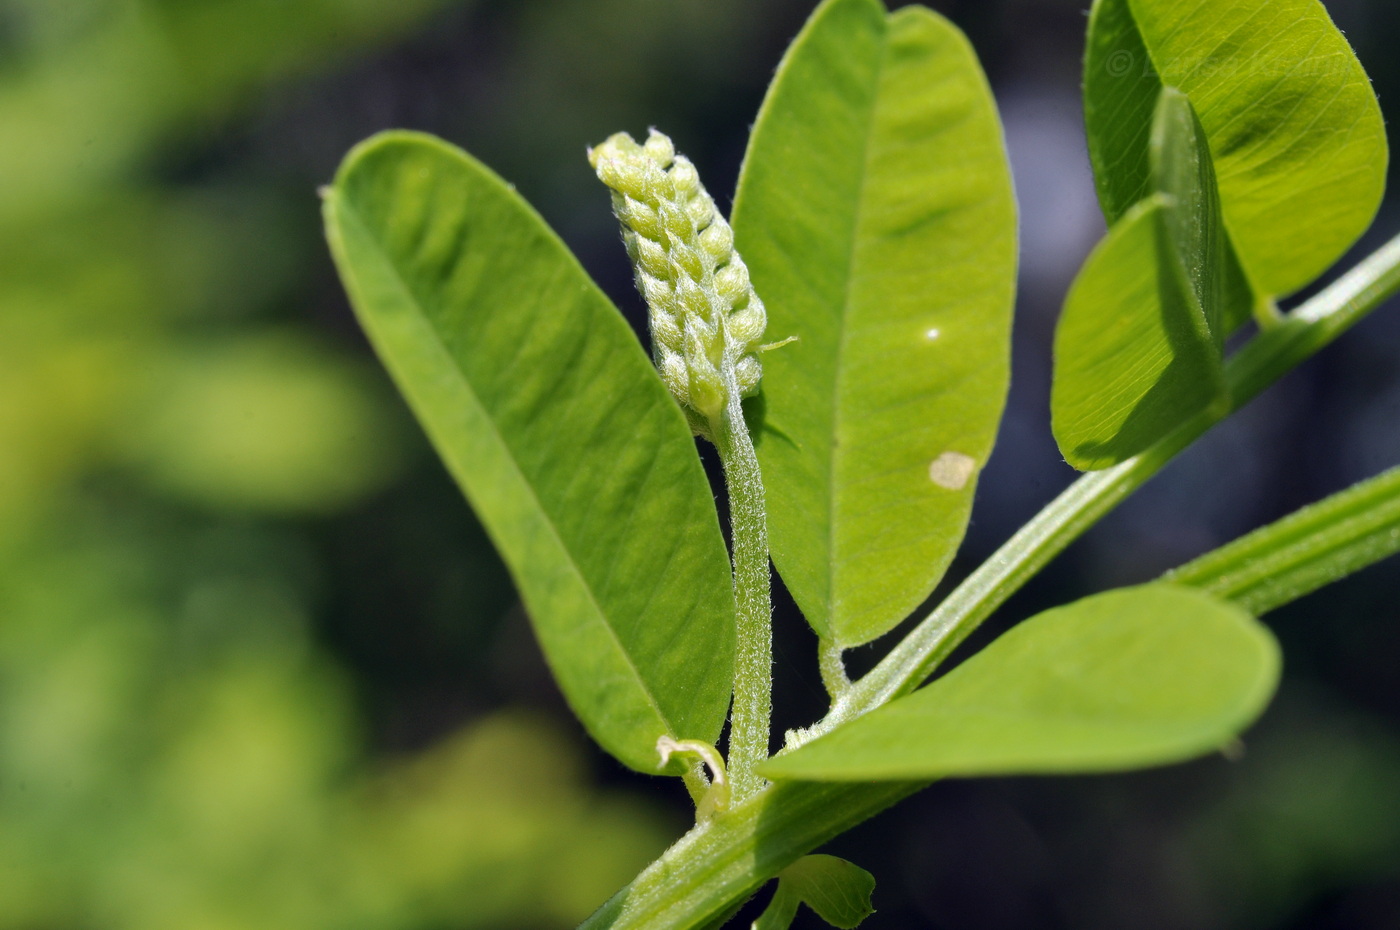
<point x="729" y="858"/>
<point x="753" y="661"/>
<point x="724" y="861"/>
<point x="833" y="668"/>
<point x="1312" y="547"/>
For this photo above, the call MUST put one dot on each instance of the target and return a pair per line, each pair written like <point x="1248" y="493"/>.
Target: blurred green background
<point x="259" y="667"/>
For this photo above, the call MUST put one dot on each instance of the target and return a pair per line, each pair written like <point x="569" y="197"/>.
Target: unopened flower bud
<point x="701" y="211"/>
<point x="746" y="326"/>
<point x="732" y="282"/>
<point x="747" y="373"/>
<point x="652" y="257"/>
<point x="640" y="217"/>
<point x="685" y="178"/>
<point x="718" y="240"/>
<point x="660" y="148"/>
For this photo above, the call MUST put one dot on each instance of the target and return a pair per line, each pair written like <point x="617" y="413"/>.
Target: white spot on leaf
<point x="932" y="334"/>
<point x="952" y="470"/>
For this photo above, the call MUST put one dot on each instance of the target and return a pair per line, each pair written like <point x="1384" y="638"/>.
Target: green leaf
<point x="549" y="415"/>
<point x="1138" y="347"/>
<point x="1121" y="89"/>
<point x="780" y="912"/>
<point x="1193" y="240"/>
<point x="1132" y="359"/>
<point x="876" y="217"/>
<point x="1292" y="122"/>
<point x="1302" y="552"/>
<point x="838" y="891"/>
<point x="1130" y="678"/>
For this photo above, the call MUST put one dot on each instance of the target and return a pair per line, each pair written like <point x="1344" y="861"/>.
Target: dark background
<point x="259" y="667"/>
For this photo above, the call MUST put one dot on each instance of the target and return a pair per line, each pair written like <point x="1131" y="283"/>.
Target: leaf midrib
<point x="837" y="390"/>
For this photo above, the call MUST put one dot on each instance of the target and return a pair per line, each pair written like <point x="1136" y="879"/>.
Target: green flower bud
<point x="705" y="318"/>
<point x="748" y="324"/>
<point x="659" y="147"/>
<point x="642" y="218"/>
<point x="717" y="240"/>
<point x="748" y="373"/>
<point x="732" y="281"/>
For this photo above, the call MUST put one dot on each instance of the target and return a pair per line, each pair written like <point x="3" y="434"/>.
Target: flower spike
<point x="704" y="316"/>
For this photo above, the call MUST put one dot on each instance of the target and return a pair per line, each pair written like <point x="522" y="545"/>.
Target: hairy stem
<point x="833" y="668"/>
<point x="730" y="858"/>
<point x="753" y="661"/>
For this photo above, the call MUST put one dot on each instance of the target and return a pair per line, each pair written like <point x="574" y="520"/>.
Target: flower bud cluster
<point x="705" y="318"/>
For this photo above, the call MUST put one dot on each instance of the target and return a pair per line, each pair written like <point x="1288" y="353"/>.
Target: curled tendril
<point x="715" y="796"/>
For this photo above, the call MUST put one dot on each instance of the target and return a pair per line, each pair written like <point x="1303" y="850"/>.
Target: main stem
<point x="753" y="661"/>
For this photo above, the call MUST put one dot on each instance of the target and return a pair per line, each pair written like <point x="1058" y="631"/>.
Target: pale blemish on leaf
<point x="952" y="470"/>
<point x="932" y="334"/>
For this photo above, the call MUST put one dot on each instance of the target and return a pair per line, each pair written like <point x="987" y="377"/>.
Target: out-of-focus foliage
<point x="125" y="303"/>
<point x="176" y="750"/>
<point x="174" y="753"/>
<point x="1309" y="817"/>
<point x="90" y="88"/>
